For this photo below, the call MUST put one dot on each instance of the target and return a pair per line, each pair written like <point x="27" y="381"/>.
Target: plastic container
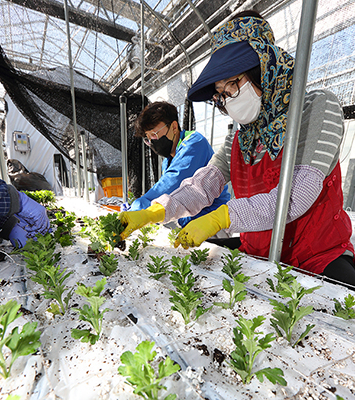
<point x="112" y="187"/>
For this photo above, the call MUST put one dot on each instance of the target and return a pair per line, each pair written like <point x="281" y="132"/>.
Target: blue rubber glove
<point x="18" y="236"/>
<point x="125" y="207"/>
<point x="33" y="216"/>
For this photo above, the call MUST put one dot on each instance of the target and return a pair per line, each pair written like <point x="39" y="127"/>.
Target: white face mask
<point x="245" y="108"/>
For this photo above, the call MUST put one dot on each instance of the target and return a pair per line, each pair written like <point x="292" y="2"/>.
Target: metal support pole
<point x="85" y="172"/>
<point x="77" y="158"/>
<point x="212" y="123"/>
<point x="142" y="89"/>
<point x="123" y="112"/>
<point x="303" y="54"/>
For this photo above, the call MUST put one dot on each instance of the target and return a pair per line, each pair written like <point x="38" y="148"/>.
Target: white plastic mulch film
<point x="322" y="367"/>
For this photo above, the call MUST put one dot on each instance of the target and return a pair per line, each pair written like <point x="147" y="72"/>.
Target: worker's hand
<point x="200" y="229"/>
<point x="18" y="236"/>
<point x="33" y="216"/>
<point x="133" y="220"/>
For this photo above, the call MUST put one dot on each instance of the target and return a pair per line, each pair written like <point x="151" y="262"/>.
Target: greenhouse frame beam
<point x="303" y="55"/>
<point x="55" y="9"/>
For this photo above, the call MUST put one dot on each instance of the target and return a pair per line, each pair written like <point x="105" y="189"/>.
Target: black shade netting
<point x="44" y="98"/>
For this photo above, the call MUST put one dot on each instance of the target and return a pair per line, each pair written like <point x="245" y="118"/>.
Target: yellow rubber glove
<point x="200" y="229"/>
<point x="133" y="220"/>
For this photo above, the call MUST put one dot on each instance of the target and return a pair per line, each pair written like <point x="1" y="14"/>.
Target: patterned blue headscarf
<point x="276" y="81"/>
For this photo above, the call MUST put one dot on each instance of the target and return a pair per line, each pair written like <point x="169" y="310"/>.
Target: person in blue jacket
<point x="20" y="216"/>
<point x="184" y="153"/>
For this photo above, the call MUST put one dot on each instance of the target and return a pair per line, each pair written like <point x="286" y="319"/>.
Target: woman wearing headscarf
<point x="250" y="79"/>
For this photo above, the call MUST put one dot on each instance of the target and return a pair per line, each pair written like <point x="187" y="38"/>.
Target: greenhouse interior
<point x="87" y="316"/>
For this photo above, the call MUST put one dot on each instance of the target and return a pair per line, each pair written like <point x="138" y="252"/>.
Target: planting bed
<point x="322" y="366"/>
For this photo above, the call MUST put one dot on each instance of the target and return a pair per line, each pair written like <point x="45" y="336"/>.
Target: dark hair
<point x="254" y="75"/>
<point x="153" y="114"/>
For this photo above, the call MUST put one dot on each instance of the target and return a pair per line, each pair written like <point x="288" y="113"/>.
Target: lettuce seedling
<point x="158" y="268"/>
<point x="108" y="264"/>
<point x="287" y="315"/>
<point x="198" y="256"/>
<point x="248" y="346"/>
<point x="91" y="314"/>
<point x="141" y="374"/>
<point x="20" y="343"/>
<point x="346" y="312"/>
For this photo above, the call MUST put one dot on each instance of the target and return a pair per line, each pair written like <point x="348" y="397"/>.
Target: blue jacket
<point x="192" y="152"/>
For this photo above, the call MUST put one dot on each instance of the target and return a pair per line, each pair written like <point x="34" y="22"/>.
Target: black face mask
<point x="162" y="146"/>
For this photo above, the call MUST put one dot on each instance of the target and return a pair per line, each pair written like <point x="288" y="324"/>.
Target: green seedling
<point x="108" y="264"/>
<point x="346" y="312"/>
<point x="92" y="313"/>
<point x="133" y="251"/>
<point x="185" y="300"/>
<point x="141" y="374"/>
<point x="53" y="281"/>
<point x="65" y="224"/>
<point x="248" y="346"/>
<point x="131" y="198"/>
<point x="282" y="275"/>
<point x="232" y="263"/>
<point x="236" y="289"/>
<point x="145" y="233"/>
<point x="198" y="256"/>
<point x="110" y="229"/>
<point x="40" y="252"/>
<point x="44" y="197"/>
<point x="20" y="343"/>
<point x="104" y="232"/>
<point x="158" y="268"/>
<point x="286" y="316"/>
<point x="172" y="235"/>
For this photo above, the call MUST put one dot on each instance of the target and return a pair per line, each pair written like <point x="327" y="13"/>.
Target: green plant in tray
<point x="286" y="316"/>
<point x="108" y="264"/>
<point x="236" y="288"/>
<point x="65" y="224"/>
<point x="145" y="234"/>
<point x="282" y="275"/>
<point x="20" y="343"/>
<point x="248" y="345"/>
<point x="138" y="369"/>
<point x="198" y="256"/>
<point x="172" y="235"/>
<point x="53" y="281"/>
<point x="347" y="311"/>
<point x="40" y="252"/>
<point x="133" y="251"/>
<point x="92" y="313"/>
<point x="185" y="300"/>
<point x="44" y="197"/>
<point x="158" y="268"/>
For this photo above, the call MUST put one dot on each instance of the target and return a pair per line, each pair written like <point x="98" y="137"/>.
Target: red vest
<point x="312" y="241"/>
